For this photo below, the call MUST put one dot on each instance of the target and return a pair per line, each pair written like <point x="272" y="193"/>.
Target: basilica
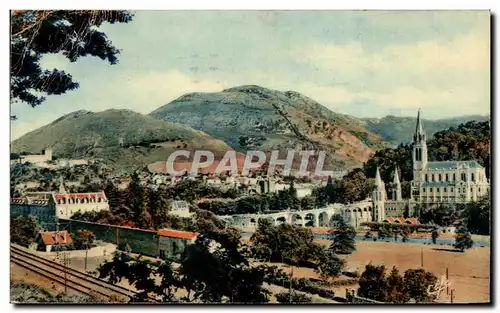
<point x="445" y="182"/>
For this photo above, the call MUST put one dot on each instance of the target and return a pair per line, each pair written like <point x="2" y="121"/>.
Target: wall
<point x="67" y="210"/>
<point x="44" y="213"/>
<point x="141" y="241"/>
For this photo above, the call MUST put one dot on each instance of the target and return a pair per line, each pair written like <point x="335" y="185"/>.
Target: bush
<point x="295" y="297"/>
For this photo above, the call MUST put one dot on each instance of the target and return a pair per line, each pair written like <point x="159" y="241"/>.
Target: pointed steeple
<point x="62" y="190"/>
<point x="419" y="129"/>
<point x="396" y="176"/>
<point x="378" y="180"/>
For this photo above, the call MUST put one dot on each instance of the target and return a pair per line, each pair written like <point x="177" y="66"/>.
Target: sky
<point x="361" y="63"/>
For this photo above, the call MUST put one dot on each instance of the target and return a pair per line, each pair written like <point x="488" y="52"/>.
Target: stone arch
<point x="358" y="210"/>
<point x="365" y="210"/>
<point x="280" y="220"/>
<point x="335" y="217"/>
<point x="310" y="220"/>
<point x="297" y="218"/>
<point x="323" y="219"/>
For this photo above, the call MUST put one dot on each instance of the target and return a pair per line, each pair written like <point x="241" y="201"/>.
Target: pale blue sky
<point x="366" y="64"/>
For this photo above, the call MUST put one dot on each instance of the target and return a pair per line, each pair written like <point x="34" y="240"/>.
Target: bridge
<point x="354" y="214"/>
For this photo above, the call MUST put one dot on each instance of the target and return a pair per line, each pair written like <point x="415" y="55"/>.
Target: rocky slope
<point x="253" y="117"/>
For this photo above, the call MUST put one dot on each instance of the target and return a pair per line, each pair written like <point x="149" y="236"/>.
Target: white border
<point x="199" y="5"/>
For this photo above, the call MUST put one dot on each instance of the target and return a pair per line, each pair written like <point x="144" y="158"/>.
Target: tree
<point x="226" y="275"/>
<point x="83" y="239"/>
<point x="384" y="231"/>
<point x="329" y="265"/>
<point x="477" y="215"/>
<point x="434" y="236"/>
<point x="138" y="197"/>
<point x="24" y="230"/>
<point x="139" y="273"/>
<point x="343" y="238"/>
<point x="406" y="213"/>
<point x="372" y="283"/>
<point x="414" y="284"/>
<point x="368" y="235"/>
<point x="71" y="33"/>
<point x="462" y="239"/>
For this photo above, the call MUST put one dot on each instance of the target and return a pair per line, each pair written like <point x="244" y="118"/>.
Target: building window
<point x="454" y="177"/>
<point x="464" y="176"/>
<point x="430" y="189"/>
<point x="471" y="190"/>
<point x="472" y="176"/>
<point x="437" y="189"/>
<point x="426" y="177"/>
<point x="446" y="177"/>
<point x="423" y="189"/>
<point x="439" y="179"/>
<point x="444" y="189"/>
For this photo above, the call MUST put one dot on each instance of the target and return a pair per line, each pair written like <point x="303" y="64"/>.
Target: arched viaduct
<point x="353" y="214"/>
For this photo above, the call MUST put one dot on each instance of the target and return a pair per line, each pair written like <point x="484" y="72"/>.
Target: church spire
<point x="61" y="186"/>
<point x="419" y="130"/>
<point x="396" y="176"/>
<point x="378" y="180"/>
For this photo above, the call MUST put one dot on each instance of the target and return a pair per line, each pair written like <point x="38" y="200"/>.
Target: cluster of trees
<point x="375" y="284"/>
<point x="295" y="245"/>
<point x="148" y="208"/>
<point x="24" y="230"/>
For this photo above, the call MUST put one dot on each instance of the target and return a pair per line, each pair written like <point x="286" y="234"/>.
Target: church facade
<point x="443" y="182"/>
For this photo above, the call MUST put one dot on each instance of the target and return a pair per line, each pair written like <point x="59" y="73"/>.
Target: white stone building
<point x="434" y="182"/>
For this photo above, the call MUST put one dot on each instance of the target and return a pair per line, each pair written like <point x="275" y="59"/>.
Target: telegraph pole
<point x="421" y="257"/>
<point x="447" y="284"/>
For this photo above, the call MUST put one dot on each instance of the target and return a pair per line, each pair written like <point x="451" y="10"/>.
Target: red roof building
<point x="53" y="238"/>
<point x="176" y="234"/>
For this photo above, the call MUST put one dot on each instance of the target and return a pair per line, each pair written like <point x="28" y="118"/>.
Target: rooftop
<point x="448" y="165"/>
<point x="52" y="238"/>
<point x="176" y="234"/>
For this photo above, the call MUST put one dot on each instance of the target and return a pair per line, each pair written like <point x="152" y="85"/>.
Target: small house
<point x="48" y="241"/>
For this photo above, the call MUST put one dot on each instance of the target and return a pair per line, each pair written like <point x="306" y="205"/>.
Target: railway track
<point x="78" y="281"/>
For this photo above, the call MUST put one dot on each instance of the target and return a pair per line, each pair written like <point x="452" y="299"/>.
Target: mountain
<point x="398" y="130"/>
<point x="253" y="117"/>
<point x="122" y="138"/>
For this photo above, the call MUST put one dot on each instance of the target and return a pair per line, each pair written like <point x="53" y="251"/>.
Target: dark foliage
<point x="393" y="288"/>
<point x="73" y="34"/>
<point x="24" y="230"/>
